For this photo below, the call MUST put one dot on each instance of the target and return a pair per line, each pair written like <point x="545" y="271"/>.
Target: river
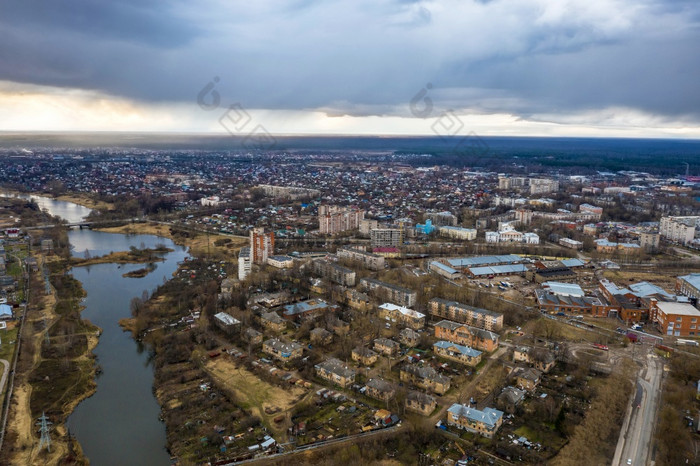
<point x="119" y="424"/>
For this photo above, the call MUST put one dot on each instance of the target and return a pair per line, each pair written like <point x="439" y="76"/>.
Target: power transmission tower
<point x="44" y="424"/>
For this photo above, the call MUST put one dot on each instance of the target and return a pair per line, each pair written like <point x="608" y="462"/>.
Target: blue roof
<point x="465" y="350"/>
<point x="497" y="270"/>
<point x="5" y="310"/>
<point x="484" y="260"/>
<point x="488" y="416"/>
<point x="444" y="267"/>
<point x="573" y="262"/>
<point x="693" y="279"/>
<point x="304" y="306"/>
<point x="643" y="289"/>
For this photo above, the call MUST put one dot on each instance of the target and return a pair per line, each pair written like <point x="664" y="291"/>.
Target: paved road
<point x="3" y="379"/>
<point x="635" y="437"/>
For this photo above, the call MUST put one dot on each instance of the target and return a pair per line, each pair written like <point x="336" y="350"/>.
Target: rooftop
<point x="488" y="416"/>
<point x="564" y="289"/>
<point x="464" y="350"/>
<point x="681" y="309"/>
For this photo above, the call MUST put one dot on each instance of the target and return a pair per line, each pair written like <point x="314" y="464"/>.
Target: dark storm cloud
<point x="525" y="57"/>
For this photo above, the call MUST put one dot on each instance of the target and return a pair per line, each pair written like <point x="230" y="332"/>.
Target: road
<point x="635" y="440"/>
<point x="5" y="371"/>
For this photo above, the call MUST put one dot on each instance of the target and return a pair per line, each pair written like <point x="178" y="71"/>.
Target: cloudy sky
<point x="627" y="68"/>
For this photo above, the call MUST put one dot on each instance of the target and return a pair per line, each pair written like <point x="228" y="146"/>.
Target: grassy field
<point x="253" y="393"/>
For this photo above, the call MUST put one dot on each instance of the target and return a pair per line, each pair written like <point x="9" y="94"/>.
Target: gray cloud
<point x="360" y="57"/>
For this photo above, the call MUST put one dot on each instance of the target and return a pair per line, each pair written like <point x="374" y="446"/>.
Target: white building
<point x="468" y="234"/>
<point x="212" y="201"/>
<point x="678" y="229"/>
<point x="531" y="238"/>
<point x="492" y="237"/>
<point x="281" y="262"/>
<point x="244" y="263"/>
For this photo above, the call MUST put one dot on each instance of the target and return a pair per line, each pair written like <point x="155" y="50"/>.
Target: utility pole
<point x="44" y="424"/>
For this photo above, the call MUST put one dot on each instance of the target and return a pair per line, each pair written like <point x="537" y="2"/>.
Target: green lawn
<point x="7" y="349"/>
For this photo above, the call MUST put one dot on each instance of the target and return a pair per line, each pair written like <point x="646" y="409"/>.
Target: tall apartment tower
<point x="244" y="263"/>
<point x="262" y="245"/>
<point x="334" y="219"/>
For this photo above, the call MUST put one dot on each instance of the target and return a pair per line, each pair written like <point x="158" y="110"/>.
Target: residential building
<point x="334" y="272"/>
<point x="509" y="235"/>
<point x="425" y="377"/>
<point x="409" y="337"/>
<point x="389" y="292"/>
<point x="483" y="422"/>
<point x="510" y="398"/>
<point x="458" y="353"/>
<point x="467" y="234"/>
<point x="367" y="225"/>
<point x="528" y="379"/>
<point x="273" y="322"/>
<point x="367" y="259"/>
<point x="262" y="245"/>
<point x="380" y="237"/>
<point x="462" y="334"/>
<point x="357" y="300"/>
<point x="386" y="346"/>
<point x="604" y="245"/>
<point x="280" y="262"/>
<point x="689" y="285"/>
<point x="364" y="356"/>
<point x="542" y="359"/>
<point x="309" y="309"/>
<point x="442" y="218"/>
<point x="476" y="317"/>
<point x="390" y="252"/>
<point x="543" y="186"/>
<point x="288" y="192"/>
<point x="335" y="371"/>
<point x="227" y="323"/>
<point x="677" y="319"/>
<point x="420" y="403"/>
<point x="649" y="241"/>
<point x="678" y="229"/>
<point x="244" y="263"/>
<point x="380" y="389"/>
<point x="282" y="350"/>
<point x="570" y="243"/>
<point x="321" y="336"/>
<point x="252" y="336"/>
<point x="402" y="315"/>
<point x="334" y="219"/>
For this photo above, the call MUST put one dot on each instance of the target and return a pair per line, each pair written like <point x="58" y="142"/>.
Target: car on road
<point x="629" y="460"/>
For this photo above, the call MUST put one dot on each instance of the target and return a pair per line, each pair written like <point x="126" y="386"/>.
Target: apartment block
<point x="262" y="245"/>
<point x="367" y="259"/>
<point x="476" y="317"/>
<point x="457" y="353"/>
<point x="381" y="237"/>
<point x="388" y="292"/>
<point x="483" y="422"/>
<point x="334" y="272"/>
<point x="334" y="219"/>
<point x="244" y="263"/>
<point x="462" y="334"/>
<point x="402" y="315"/>
<point x="678" y="229"/>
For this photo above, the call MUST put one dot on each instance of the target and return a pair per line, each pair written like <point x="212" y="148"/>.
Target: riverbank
<point x="55" y="370"/>
<point x="84" y="200"/>
<point x="133" y="256"/>
<point x="199" y="244"/>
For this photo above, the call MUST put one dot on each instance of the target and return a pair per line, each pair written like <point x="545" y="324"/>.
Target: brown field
<point x="199" y="245"/>
<point x="622" y="278"/>
<point x="86" y="201"/>
<point x="253" y="393"/>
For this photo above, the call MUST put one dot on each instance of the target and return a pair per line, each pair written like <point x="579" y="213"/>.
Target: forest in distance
<point x="512" y="154"/>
